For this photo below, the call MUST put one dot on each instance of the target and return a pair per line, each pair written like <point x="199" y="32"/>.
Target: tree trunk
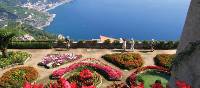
<point x="4" y="52"/>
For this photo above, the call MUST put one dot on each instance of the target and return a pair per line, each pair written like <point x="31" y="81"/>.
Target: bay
<point x="138" y="19"/>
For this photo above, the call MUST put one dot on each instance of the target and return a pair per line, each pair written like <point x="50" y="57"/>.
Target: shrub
<point x="14" y="58"/>
<point x="15" y="77"/>
<point x="164" y="60"/>
<point x="125" y="60"/>
<point x="31" y="45"/>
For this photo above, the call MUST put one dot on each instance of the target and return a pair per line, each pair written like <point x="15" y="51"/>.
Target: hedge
<point x="31" y="45"/>
<point x="125" y="60"/>
<point x="164" y="60"/>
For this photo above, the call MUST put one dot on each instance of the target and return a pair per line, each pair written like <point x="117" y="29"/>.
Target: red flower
<point x="182" y="84"/>
<point x="85" y="74"/>
<point x="27" y="85"/>
<point x="74" y="85"/>
<point x="88" y="86"/>
<point x="157" y="85"/>
<point x="38" y="86"/>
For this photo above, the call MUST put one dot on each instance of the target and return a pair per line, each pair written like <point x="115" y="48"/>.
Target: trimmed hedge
<point x="15" y="77"/>
<point x="125" y="60"/>
<point x="31" y="45"/>
<point x="164" y="60"/>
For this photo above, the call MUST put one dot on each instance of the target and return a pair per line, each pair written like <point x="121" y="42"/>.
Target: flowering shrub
<point x="85" y="74"/>
<point x="133" y="77"/>
<point x="125" y="60"/>
<point x="15" y="77"/>
<point x="14" y="58"/>
<point x="164" y="60"/>
<point x="182" y="84"/>
<point x="61" y="83"/>
<point x="55" y="60"/>
<point x="112" y="73"/>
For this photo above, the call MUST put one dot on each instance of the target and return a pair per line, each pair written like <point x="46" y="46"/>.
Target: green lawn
<point x="151" y="76"/>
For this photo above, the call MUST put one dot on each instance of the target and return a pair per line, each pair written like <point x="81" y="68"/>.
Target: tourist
<point x="152" y="45"/>
<point x="132" y="44"/>
<point x="68" y="42"/>
<point x="124" y="45"/>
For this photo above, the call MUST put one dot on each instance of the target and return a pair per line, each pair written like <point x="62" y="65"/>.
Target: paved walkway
<point x="38" y="54"/>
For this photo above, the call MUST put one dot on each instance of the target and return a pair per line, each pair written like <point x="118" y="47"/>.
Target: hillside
<point x="22" y="29"/>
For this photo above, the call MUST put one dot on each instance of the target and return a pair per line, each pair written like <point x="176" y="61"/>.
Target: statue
<point x="132" y="44"/>
<point x="152" y="45"/>
<point x="124" y="45"/>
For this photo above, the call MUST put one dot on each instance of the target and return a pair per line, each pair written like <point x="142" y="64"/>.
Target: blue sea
<point x="138" y="19"/>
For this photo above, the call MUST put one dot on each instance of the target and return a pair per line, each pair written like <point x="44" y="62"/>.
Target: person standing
<point x="68" y="42"/>
<point x="124" y="45"/>
<point x="152" y="45"/>
<point x="132" y="44"/>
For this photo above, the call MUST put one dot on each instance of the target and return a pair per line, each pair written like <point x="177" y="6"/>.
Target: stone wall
<point x="191" y="31"/>
<point x="186" y="67"/>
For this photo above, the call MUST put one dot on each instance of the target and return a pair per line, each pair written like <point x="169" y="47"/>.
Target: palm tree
<point x="5" y="38"/>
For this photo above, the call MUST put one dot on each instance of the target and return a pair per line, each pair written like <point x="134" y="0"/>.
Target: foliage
<point x="125" y="60"/>
<point x="14" y="58"/>
<point x="21" y="29"/>
<point x="164" y="60"/>
<point x="15" y="77"/>
<point x="31" y="45"/>
<point x="166" y="44"/>
<point x="5" y="39"/>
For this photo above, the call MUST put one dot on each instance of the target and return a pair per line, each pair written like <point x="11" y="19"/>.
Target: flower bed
<point x="14" y="58"/>
<point x="137" y="75"/>
<point x="125" y="60"/>
<point x="84" y="77"/>
<point x="55" y="60"/>
<point x="15" y="77"/>
<point x="164" y="60"/>
<point x="111" y="73"/>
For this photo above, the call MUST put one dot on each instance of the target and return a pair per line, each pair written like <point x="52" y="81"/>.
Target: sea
<point x="137" y="19"/>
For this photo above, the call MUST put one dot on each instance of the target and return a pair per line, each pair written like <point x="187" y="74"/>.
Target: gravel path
<point x="38" y="54"/>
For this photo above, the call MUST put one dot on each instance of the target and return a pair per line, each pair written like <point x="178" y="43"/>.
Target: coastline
<point x="56" y="5"/>
<point x="52" y="16"/>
